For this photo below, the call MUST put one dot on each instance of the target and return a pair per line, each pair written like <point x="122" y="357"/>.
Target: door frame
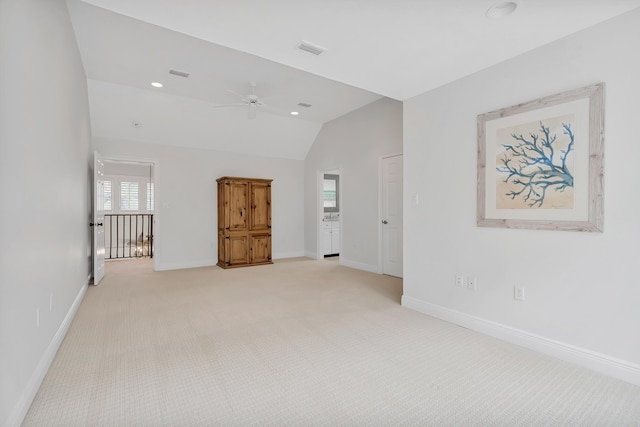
<point x="97" y="220"/>
<point x="157" y="251"/>
<point x="320" y="209"/>
<point x="380" y="199"/>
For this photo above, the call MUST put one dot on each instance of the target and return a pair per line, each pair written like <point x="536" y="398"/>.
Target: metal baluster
<point x="136" y="237"/>
<point x="117" y="235"/>
<point x="110" y="234"/>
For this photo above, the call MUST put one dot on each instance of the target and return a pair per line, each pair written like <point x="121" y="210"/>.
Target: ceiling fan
<point x="251" y="101"/>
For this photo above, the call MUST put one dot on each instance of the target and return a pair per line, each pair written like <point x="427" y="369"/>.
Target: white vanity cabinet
<point x="331" y="237"/>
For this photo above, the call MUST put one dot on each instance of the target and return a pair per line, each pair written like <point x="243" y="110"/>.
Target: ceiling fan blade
<point x="237" y="104"/>
<point x="236" y="93"/>
<point x="251" y="101"/>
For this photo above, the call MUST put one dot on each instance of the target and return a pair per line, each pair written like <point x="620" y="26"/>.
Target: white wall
<point x="353" y="144"/>
<point x="582" y="289"/>
<point x="185" y="234"/>
<point x="44" y="185"/>
<point x="128" y="169"/>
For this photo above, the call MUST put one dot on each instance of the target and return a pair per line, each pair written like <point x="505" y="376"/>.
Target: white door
<point x="392" y="216"/>
<point x="98" y="218"/>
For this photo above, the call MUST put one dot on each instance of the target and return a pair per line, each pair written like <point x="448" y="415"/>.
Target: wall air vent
<point x="179" y="73"/>
<point x="311" y="48"/>
<point x="304" y="104"/>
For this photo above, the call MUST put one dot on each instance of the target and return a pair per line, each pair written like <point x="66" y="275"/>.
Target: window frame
<point x="142" y="193"/>
<point x="336" y="178"/>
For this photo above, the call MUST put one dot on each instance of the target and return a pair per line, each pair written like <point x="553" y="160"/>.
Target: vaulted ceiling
<point x="373" y="49"/>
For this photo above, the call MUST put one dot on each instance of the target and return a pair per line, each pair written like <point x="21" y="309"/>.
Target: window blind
<point x="128" y="196"/>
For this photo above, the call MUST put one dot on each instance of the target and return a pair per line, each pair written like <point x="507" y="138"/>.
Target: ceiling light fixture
<point x="179" y="73"/>
<point x="156" y="84"/>
<point x="501" y="10"/>
<point x="294" y="113"/>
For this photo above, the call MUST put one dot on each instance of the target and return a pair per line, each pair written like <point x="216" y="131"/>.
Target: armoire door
<point x="260" y="248"/>
<point x="238" y="203"/>
<point x="237" y="249"/>
<point x="260" y="206"/>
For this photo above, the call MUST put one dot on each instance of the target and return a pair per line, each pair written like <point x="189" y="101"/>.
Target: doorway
<point x="129" y="209"/>
<point x="329" y="214"/>
<point x="128" y="194"/>
<point x="391" y="215"/>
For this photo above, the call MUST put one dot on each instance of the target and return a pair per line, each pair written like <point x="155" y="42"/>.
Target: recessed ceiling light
<point x="294" y="113"/>
<point x="156" y="84"/>
<point x="501" y="10"/>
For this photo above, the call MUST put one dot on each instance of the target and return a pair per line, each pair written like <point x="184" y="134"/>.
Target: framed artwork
<point x="540" y="164"/>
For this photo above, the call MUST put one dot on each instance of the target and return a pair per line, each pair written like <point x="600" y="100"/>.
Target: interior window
<point x="128" y="196"/>
<point x="108" y="201"/>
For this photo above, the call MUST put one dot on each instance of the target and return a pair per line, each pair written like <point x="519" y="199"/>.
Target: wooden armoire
<point x="244" y="221"/>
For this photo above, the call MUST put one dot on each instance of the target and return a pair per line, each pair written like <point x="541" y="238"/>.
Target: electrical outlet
<point x="459" y="280"/>
<point x="472" y="284"/>
<point x="518" y="293"/>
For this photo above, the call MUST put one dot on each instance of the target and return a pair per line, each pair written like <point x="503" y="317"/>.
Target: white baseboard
<point x="164" y="266"/>
<point x="29" y="393"/>
<point x="187" y="264"/>
<point x="608" y="365"/>
<point x="209" y="263"/>
<point x="282" y="255"/>
<point x="360" y="265"/>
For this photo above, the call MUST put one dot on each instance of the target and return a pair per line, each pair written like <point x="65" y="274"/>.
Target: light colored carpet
<point x="299" y="343"/>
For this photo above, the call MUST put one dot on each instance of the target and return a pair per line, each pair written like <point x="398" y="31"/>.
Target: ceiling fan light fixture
<point x="501" y="10"/>
<point x="250" y="101"/>
<point x="311" y="48"/>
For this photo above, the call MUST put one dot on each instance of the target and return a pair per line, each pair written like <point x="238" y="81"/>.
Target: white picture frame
<point x="541" y="163"/>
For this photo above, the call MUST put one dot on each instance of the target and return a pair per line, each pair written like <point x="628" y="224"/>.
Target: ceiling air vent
<point x="311" y="48"/>
<point x="179" y="73"/>
<point x="304" y="104"/>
